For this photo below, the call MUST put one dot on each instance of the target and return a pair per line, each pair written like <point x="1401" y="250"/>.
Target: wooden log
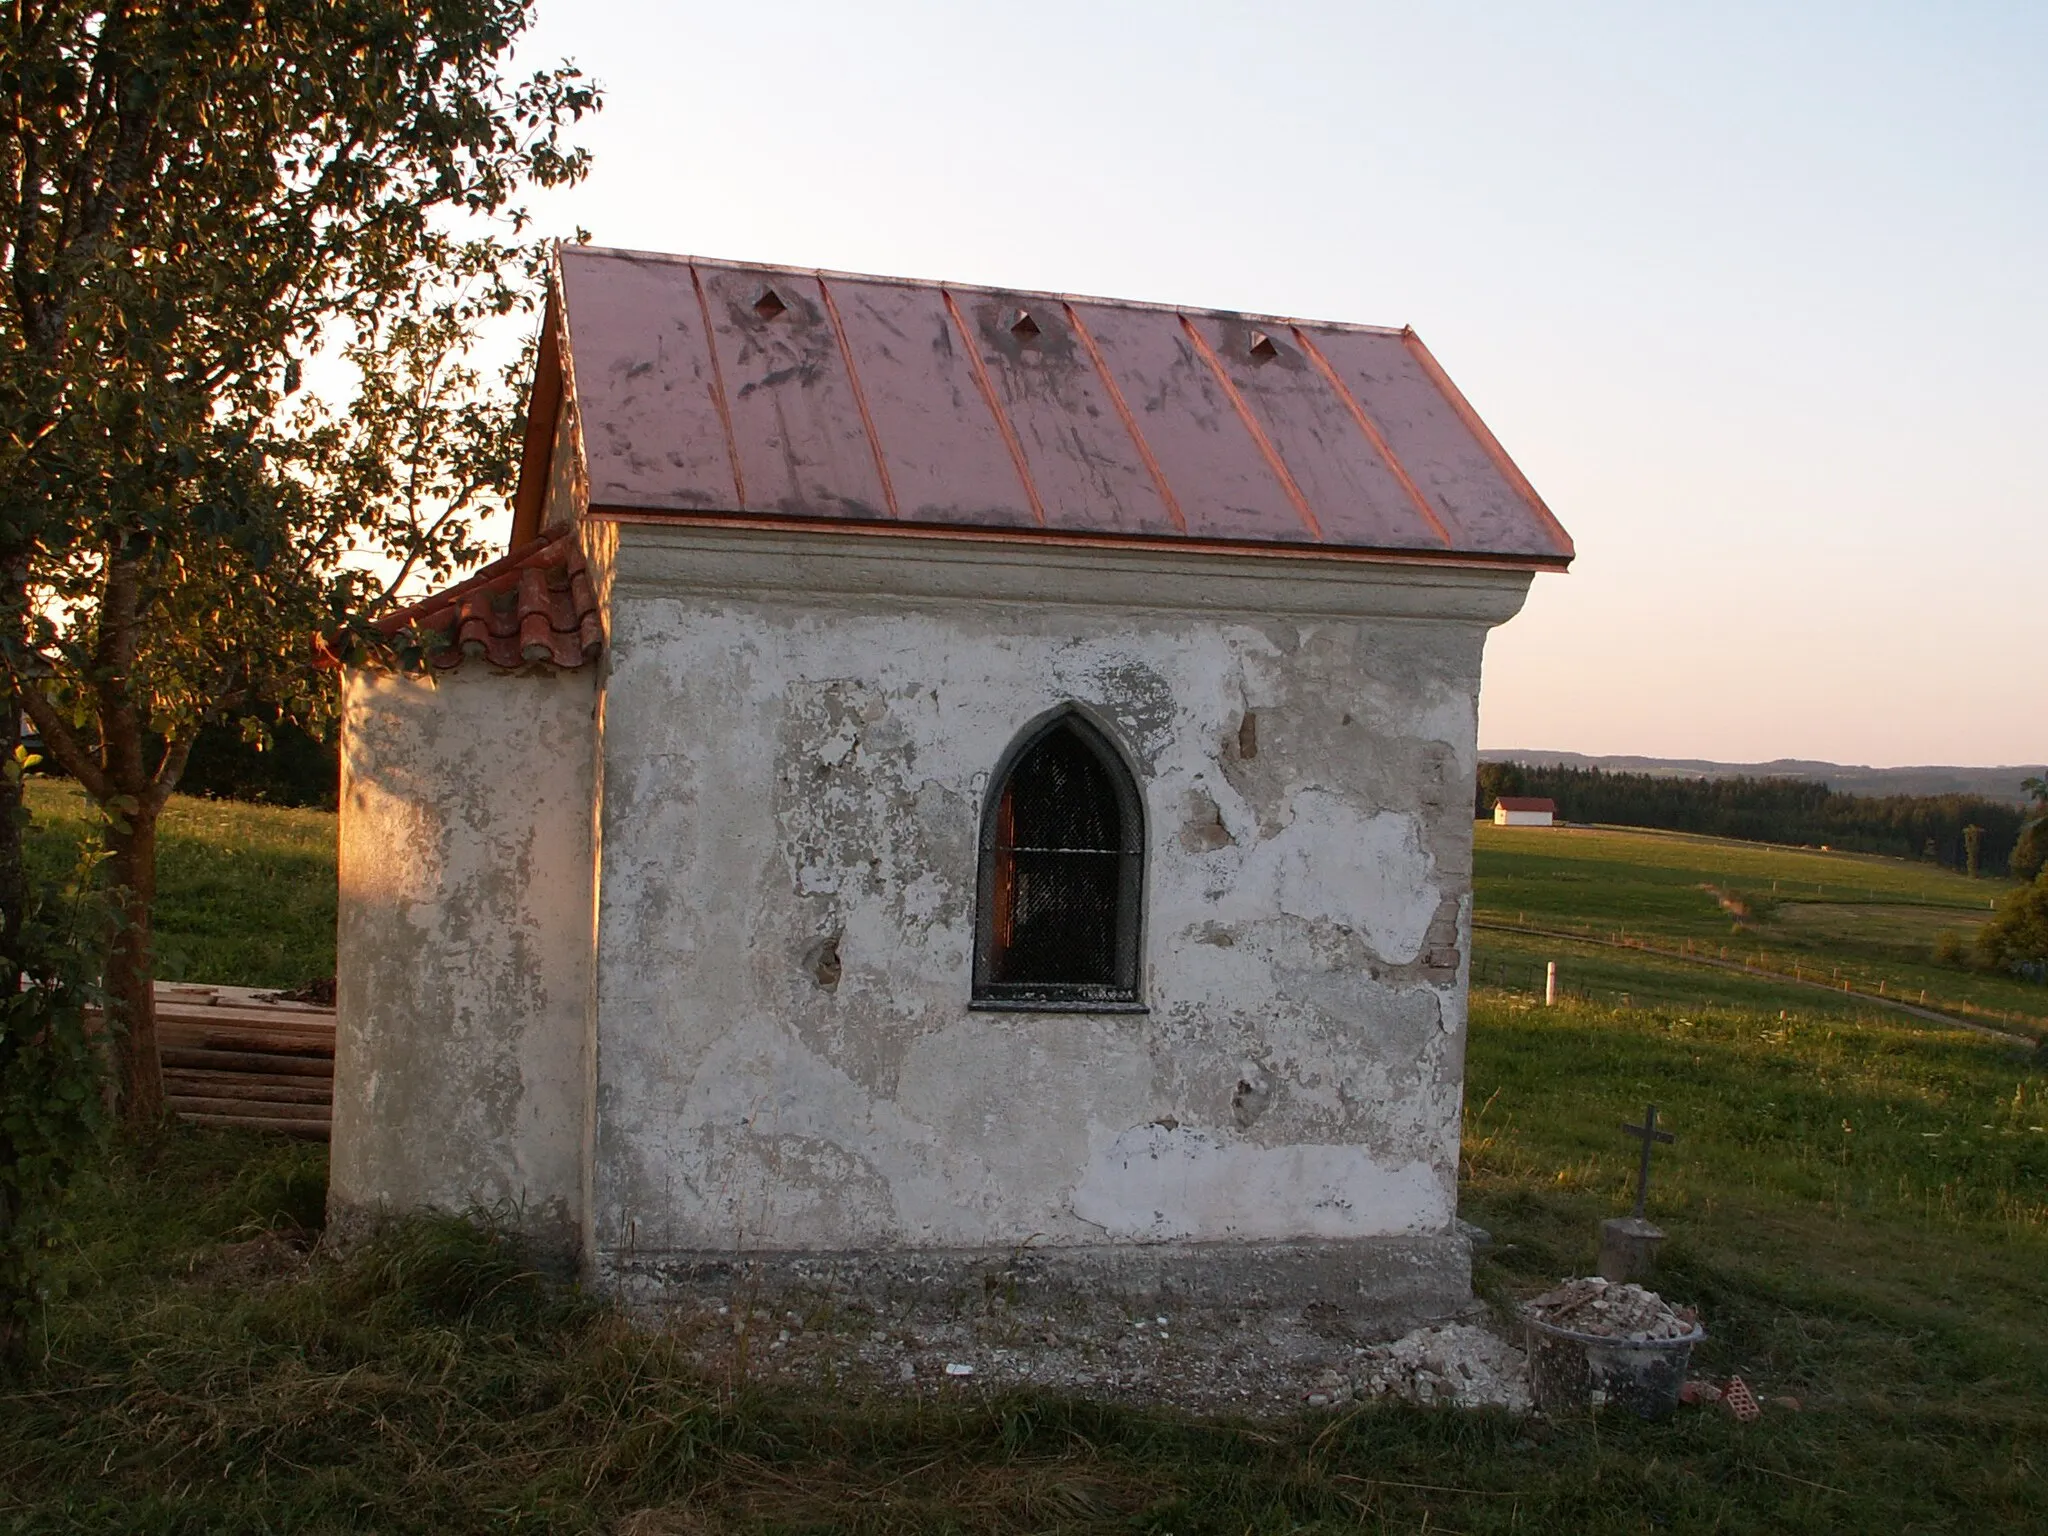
<point x="250" y="1018"/>
<point x="312" y="1031"/>
<point x="244" y="1014"/>
<point x="228" y="1086"/>
<point x="218" y="1030"/>
<point x="248" y="1061"/>
<point x="181" y="1105"/>
<point x="311" y="1130"/>
<point x="287" y="1087"/>
<point x="283" y="1045"/>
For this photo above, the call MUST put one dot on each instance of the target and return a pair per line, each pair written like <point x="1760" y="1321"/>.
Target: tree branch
<point x="62" y="741"/>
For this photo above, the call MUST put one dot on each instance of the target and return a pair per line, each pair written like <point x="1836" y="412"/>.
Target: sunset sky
<point x="1753" y="293"/>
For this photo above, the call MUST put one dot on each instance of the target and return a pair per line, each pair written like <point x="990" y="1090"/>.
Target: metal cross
<point x="1649" y="1135"/>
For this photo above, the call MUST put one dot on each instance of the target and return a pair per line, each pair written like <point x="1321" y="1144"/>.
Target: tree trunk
<point x="13" y="882"/>
<point x="12" y="893"/>
<point x="130" y="978"/>
<point x="13" y="813"/>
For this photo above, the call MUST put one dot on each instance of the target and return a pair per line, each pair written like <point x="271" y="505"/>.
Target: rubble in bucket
<point x="1613" y="1311"/>
<point x="1456" y="1365"/>
<point x="1594" y="1342"/>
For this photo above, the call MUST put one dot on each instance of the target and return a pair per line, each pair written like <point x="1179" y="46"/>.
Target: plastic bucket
<point x="1567" y="1368"/>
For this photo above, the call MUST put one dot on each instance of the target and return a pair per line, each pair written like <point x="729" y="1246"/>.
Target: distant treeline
<point x="1794" y="811"/>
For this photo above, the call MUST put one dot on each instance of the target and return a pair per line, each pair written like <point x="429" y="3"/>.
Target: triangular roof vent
<point x="769" y="305"/>
<point x="1264" y="348"/>
<point x="1023" y="327"/>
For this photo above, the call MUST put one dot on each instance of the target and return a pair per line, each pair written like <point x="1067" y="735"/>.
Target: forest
<point x="1796" y="812"/>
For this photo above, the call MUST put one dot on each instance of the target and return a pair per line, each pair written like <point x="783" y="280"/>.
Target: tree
<point x="1973" y="850"/>
<point x="2030" y="853"/>
<point x="2017" y="938"/>
<point x="197" y="199"/>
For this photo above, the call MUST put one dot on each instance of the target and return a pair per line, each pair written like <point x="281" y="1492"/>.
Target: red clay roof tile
<point x="535" y="605"/>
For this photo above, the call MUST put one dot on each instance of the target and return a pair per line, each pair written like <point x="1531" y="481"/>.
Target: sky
<point x="1754" y="294"/>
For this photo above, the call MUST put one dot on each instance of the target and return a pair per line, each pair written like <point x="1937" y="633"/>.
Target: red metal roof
<point x="535" y="604"/>
<point x="1525" y="803"/>
<point x="718" y="390"/>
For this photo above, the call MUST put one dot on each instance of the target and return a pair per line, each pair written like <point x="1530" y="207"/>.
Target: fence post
<point x="1550" y="986"/>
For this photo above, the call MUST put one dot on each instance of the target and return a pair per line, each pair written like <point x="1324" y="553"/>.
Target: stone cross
<point x="1649" y="1135"/>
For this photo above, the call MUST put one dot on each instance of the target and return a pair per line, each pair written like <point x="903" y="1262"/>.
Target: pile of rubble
<point x="1612" y="1310"/>
<point x="1456" y="1365"/>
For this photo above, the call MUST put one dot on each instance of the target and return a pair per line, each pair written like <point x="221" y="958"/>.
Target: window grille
<point x="1062" y="868"/>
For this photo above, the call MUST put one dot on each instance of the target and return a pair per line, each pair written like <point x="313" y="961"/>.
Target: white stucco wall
<point x="464" y="943"/>
<point x="796" y="742"/>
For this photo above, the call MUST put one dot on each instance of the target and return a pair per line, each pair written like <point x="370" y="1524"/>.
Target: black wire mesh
<point x="1059" y="868"/>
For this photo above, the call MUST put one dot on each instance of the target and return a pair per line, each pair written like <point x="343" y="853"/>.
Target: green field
<point x="245" y="893"/>
<point x="1857" y="1202"/>
<point x="1834" y="917"/>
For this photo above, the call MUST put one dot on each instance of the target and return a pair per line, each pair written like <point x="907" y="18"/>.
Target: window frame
<point x="1125" y="995"/>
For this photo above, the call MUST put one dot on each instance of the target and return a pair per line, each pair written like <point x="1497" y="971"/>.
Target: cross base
<point x="1628" y="1248"/>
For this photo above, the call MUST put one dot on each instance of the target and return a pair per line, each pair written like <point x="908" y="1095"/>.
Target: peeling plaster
<point x="1291" y="898"/>
<point x="758" y="1039"/>
<point x="463" y="943"/>
<point x="1152" y="1184"/>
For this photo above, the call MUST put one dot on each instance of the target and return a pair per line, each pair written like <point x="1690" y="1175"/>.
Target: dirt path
<point x="1894" y="1004"/>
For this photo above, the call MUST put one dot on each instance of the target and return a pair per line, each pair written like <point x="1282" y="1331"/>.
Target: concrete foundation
<point x="1374" y="1287"/>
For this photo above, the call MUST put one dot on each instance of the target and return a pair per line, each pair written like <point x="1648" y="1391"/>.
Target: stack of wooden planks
<point x="237" y="1056"/>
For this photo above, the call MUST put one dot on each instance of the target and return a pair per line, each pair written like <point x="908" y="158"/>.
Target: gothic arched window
<point x="1062" y="875"/>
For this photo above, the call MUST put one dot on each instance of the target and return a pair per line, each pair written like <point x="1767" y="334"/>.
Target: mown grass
<point x="1854" y="1202"/>
<point x="1836" y="915"/>
<point x="245" y="893"/>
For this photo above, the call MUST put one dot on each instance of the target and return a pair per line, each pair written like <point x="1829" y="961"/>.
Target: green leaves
<point x="199" y="205"/>
<point x="51" y="1109"/>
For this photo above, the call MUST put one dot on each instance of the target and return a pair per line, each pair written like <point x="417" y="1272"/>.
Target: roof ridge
<point x="957" y="285"/>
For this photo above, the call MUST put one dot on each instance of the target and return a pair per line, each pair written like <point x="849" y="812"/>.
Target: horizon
<point x="2024" y="769"/>
<point x="1750" y="297"/>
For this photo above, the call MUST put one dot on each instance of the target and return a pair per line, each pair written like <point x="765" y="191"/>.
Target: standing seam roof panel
<point x="1089" y="471"/>
<point x="1475" y="502"/>
<point x="1223" y="485"/>
<point x="648" y="400"/>
<point x="945" y="450"/>
<point x="796" y="412"/>
<point x="1358" y="499"/>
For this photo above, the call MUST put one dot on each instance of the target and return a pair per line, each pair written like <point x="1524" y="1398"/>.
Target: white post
<point x="1550" y="986"/>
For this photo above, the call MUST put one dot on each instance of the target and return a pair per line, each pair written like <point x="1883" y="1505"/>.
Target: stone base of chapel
<point x="1377" y="1287"/>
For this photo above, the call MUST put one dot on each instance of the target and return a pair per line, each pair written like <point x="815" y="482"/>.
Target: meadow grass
<point x="1848" y="916"/>
<point x="1856" y="1208"/>
<point x="1855" y="1202"/>
<point x="245" y="893"/>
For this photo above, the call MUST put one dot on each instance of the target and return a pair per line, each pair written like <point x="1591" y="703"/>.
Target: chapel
<point x="939" y="772"/>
